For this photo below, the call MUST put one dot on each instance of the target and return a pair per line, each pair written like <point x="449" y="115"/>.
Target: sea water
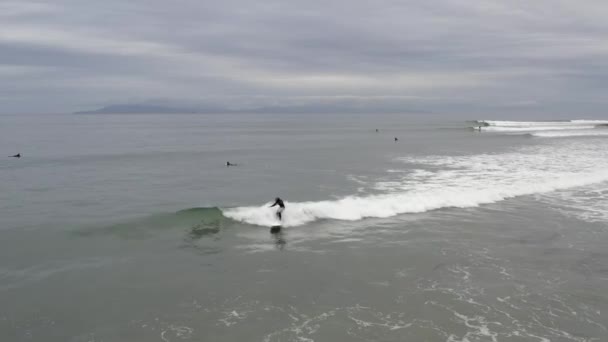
<point x="132" y="228"/>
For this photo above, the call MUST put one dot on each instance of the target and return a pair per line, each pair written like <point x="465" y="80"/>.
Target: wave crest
<point x="451" y="181"/>
<point x="565" y="134"/>
<point x="380" y="206"/>
<point x="531" y="127"/>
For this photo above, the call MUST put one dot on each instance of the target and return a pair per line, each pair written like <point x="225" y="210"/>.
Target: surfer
<point x="396" y="139"/>
<point x="18" y="155"/>
<point x="228" y="164"/>
<point x="279" y="202"/>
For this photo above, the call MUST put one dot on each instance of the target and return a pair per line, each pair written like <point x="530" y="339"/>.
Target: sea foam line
<point x="356" y="208"/>
<point x="541" y="123"/>
<point x="564" y="134"/>
<point x="451" y="181"/>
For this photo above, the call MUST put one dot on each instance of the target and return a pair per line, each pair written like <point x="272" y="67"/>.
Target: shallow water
<point x="131" y="228"/>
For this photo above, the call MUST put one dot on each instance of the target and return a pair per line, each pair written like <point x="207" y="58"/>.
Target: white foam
<point x="569" y="133"/>
<point x="542" y="123"/>
<point x="588" y="203"/>
<point x="535" y="128"/>
<point x="460" y="181"/>
<point x="590" y="121"/>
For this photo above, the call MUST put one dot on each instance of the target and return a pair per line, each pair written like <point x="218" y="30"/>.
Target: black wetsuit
<point x="281" y="205"/>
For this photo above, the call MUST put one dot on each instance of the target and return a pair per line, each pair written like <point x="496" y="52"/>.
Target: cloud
<point x="21" y="70"/>
<point x="67" y="55"/>
<point x="22" y="8"/>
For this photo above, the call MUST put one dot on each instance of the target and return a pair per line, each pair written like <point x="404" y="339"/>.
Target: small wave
<point x="200" y="212"/>
<point x="536" y="128"/>
<point x="380" y="206"/>
<point x="596" y="122"/>
<point x="539" y="126"/>
<point x="497" y="123"/>
<point x="452" y="181"/>
<point x="564" y="134"/>
<point x="197" y="221"/>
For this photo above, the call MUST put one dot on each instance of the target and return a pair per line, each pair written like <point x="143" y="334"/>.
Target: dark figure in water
<point x="18" y="155"/>
<point x="377" y="130"/>
<point x="229" y="164"/>
<point x="396" y="139"/>
<point x="279" y="202"/>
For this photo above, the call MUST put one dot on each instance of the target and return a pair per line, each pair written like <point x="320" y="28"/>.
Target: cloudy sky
<point x="526" y="56"/>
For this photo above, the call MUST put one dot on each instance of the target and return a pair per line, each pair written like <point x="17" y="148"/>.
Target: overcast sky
<point x="464" y="55"/>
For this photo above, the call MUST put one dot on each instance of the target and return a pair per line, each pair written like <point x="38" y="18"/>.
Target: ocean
<point x="132" y="228"/>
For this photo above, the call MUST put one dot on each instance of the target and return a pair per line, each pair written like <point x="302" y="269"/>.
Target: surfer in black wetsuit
<point x="18" y="155"/>
<point x="279" y="202"/>
<point x="230" y="164"/>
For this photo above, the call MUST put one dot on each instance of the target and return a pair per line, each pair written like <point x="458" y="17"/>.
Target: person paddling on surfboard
<point x="279" y="202"/>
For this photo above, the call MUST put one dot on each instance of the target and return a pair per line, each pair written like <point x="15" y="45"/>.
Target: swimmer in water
<point x="279" y="202"/>
<point x="18" y="155"/>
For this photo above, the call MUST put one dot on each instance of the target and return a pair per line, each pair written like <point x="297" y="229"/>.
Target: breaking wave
<point x="535" y="128"/>
<point x="438" y="182"/>
<point x="563" y="134"/>
<point x="546" y="129"/>
<point x="564" y="123"/>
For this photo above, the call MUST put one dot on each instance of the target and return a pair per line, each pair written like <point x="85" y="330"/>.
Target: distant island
<point x="138" y="109"/>
<point x="300" y="109"/>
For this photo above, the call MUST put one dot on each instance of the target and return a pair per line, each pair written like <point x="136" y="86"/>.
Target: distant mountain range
<point x="311" y="108"/>
<point x="139" y="109"/>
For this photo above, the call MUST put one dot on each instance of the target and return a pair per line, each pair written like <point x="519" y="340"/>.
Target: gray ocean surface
<point x="131" y="228"/>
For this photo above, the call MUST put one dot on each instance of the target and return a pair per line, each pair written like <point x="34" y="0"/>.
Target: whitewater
<point x="140" y="211"/>
<point x="435" y="182"/>
<point x="564" y="123"/>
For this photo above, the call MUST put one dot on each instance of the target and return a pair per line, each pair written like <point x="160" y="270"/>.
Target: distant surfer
<point x="377" y="130"/>
<point x="279" y="202"/>
<point x="18" y="155"/>
<point x="396" y="139"/>
<point x="228" y="164"/>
